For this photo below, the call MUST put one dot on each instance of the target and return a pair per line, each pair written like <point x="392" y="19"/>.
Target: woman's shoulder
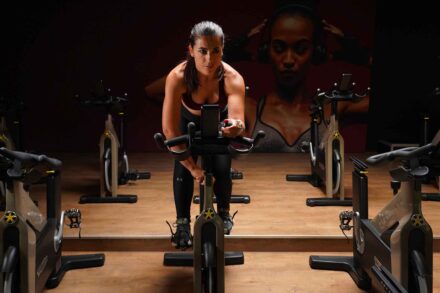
<point x="176" y="75"/>
<point x="178" y="71"/>
<point x="231" y="72"/>
<point x="232" y="76"/>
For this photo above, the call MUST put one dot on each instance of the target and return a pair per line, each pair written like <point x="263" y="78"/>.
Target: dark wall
<point x="59" y="48"/>
<point x="406" y="69"/>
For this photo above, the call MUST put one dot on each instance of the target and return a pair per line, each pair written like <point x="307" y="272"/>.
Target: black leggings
<point x="183" y="182"/>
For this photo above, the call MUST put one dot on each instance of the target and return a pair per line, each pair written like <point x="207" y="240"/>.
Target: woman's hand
<point x="198" y="174"/>
<point x="257" y="29"/>
<point x="332" y="29"/>
<point x="233" y="127"/>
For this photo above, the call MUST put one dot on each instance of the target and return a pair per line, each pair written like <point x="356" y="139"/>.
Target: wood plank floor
<point x="143" y="272"/>
<point x="277" y="206"/>
<point x="276" y="215"/>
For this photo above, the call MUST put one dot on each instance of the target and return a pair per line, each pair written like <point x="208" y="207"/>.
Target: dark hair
<point x="305" y="9"/>
<point x="204" y="28"/>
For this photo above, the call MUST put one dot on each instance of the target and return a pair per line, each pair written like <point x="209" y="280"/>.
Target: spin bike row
<point x="392" y="252"/>
<point x="31" y="243"/>
<point x="386" y="257"/>
<point x="114" y="164"/>
<point x="326" y="147"/>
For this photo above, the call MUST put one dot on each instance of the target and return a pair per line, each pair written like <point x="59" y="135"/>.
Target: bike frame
<point x="109" y="134"/>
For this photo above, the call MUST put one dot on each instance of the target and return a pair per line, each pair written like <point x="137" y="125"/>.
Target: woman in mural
<point x="291" y="46"/>
<point x="291" y="43"/>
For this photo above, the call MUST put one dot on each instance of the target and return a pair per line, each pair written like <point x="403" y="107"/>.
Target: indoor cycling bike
<point x="327" y="149"/>
<point x="208" y="257"/>
<point x="393" y="251"/>
<point x="6" y="139"/>
<point x="31" y="243"/>
<point x="433" y="163"/>
<point x="113" y="157"/>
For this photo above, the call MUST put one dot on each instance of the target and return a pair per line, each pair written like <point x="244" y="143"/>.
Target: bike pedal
<point x="74" y="216"/>
<point x="236" y="175"/>
<point x="134" y="175"/>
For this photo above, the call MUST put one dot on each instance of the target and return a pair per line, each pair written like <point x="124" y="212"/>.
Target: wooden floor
<point x="277" y="206"/>
<point x="143" y="272"/>
<point x="276" y="230"/>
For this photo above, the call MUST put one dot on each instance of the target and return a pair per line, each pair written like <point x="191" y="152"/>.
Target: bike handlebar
<point x="338" y="96"/>
<point x="409" y="152"/>
<point x="103" y="101"/>
<point x="27" y="158"/>
<point x="194" y="139"/>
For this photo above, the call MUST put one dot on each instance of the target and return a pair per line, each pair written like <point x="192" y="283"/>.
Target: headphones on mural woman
<point x="319" y="54"/>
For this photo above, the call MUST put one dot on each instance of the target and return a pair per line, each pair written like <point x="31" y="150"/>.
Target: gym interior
<point x="83" y="84"/>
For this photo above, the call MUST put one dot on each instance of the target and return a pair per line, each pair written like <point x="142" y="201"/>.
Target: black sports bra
<point x="222" y="100"/>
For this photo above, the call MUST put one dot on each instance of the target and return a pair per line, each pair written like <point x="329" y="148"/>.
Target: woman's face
<point x="207" y="53"/>
<point x="291" y="48"/>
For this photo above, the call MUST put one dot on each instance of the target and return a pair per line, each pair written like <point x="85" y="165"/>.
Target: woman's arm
<point x="235" y="89"/>
<point x="174" y="89"/>
<point x="351" y="50"/>
<point x="171" y="105"/>
<point x="359" y="107"/>
<point x="155" y="90"/>
<point x="250" y="115"/>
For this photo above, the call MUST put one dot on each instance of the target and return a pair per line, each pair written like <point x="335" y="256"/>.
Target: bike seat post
<point x="209" y="130"/>
<point x="335" y="109"/>
<point x="207" y="167"/>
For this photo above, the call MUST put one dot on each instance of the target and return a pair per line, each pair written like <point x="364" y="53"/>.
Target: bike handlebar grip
<point x="27" y="157"/>
<point x="122" y="99"/>
<point x="158" y="137"/>
<point x="191" y="130"/>
<point x="177" y="140"/>
<point x="243" y="140"/>
<point x="408" y="152"/>
<point x="372" y="160"/>
<point x="358" y="97"/>
<point x="246" y="141"/>
<point x="260" y="134"/>
<point x="52" y="161"/>
<point x="416" y="151"/>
